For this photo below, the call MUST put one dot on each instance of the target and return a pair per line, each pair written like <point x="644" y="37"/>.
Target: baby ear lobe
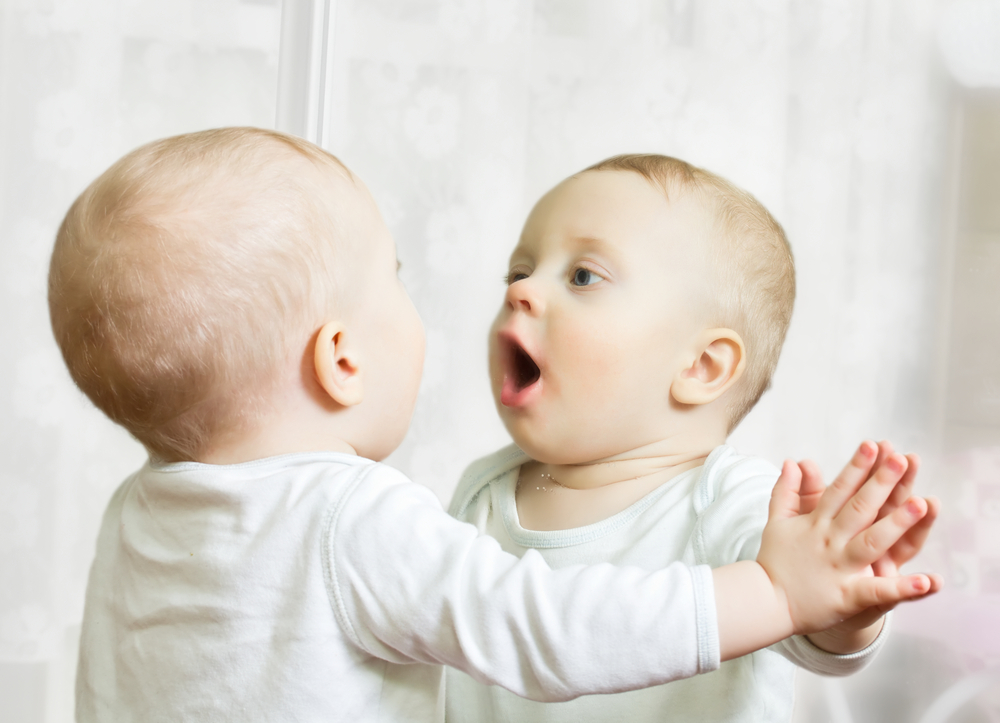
<point x="335" y="362"/>
<point x="718" y="363"/>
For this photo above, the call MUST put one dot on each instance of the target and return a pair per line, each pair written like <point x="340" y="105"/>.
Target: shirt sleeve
<point x="409" y="583"/>
<point x="804" y="654"/>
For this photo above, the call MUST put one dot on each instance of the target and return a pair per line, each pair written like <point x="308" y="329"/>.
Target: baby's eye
<point x="585" y="277"/>
<point x="515" y="276"/>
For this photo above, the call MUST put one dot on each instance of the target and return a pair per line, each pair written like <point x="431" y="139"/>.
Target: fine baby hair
<point x="754" y="280"/>
<point x="174" y="291"/>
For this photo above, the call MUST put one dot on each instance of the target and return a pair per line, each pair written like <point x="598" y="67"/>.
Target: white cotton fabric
<point x="712" y="515"/>
<point x="326" y="587"/>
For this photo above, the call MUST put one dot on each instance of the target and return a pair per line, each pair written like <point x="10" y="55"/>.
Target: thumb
<point x="785" y="495"/>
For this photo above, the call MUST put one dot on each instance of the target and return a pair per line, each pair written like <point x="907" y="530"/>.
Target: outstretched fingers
<point x="863" y="507"/>
<point x="885" y="593"/>
<point x="885" y="448"/>
<point x="937" y="582"/>
<point x="910" y="543"/>
<point x="849" y="480"/>
<point x="785" y="501"/>
<point x="812" y="488"/>
<point x="902" y="491"/>
<point x="873" y="543"/>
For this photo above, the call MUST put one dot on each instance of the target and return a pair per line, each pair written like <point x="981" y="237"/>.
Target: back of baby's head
<point x="754" y="280"/>
<point x="184" y="277"/>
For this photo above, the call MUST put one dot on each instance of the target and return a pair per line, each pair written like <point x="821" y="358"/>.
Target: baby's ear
<point x="336" y="365"/>
<point x="717" y="363"/>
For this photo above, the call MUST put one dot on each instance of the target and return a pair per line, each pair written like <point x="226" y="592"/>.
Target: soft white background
<point x="839" y="115"/>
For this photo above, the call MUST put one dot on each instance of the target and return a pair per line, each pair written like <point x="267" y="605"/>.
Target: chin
<point x="538" y="446"/>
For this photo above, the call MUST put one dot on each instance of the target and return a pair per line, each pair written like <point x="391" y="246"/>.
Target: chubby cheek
<point x="591" y="366"/>
<point x="403" y="354"/>
<point x="612" y="386"/>
<point x="418" y="348"/>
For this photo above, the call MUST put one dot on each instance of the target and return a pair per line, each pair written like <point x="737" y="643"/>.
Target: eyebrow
<point x="600" y="245"/>
<point x="591" y="241"/>
<point x="587" y="243"/>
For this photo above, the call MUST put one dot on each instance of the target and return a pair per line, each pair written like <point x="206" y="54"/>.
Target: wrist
<point x="844" y="642"/>
<point x="752" y="611"/>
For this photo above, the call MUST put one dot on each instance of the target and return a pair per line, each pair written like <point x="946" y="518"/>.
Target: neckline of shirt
<point x="279" y="460"/>
<point x="576" y="535"/>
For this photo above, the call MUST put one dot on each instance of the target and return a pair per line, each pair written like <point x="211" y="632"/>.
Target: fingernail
<point x="896" y="463"/>
<point x="867" y="448"/>
<point x="920" y="584"/>
<point x="912" y="507"/>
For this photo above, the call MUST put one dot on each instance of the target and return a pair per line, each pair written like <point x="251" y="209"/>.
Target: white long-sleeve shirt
<point x="712" y="515"/>
<point x="326" y="587"/>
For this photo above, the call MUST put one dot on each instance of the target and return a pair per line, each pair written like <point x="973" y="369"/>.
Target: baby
<point x="646" y="307"/>
<point x="231" y="298"/>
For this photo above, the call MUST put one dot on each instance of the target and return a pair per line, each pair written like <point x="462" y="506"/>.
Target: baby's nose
<point x="522" y="296"/>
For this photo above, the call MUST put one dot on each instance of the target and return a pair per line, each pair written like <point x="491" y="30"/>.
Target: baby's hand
<point x="820" y="560"/>
<point x="859" y="631"/>
<point x="913" y="541"/>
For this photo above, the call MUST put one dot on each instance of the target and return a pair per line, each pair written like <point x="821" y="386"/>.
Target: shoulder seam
<point x="703" y="498"/>
<point x="330" y="520"/>
<point x="482" y="479"/>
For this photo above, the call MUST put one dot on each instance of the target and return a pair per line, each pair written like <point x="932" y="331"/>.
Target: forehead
<point x="622" y="214"/>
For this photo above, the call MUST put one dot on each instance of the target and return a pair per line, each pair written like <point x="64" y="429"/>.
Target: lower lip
<point x="511" y="396"/>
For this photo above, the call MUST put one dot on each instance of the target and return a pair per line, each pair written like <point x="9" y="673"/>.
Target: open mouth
<point x="522" y="375"/>
<point x="524" y="370"/>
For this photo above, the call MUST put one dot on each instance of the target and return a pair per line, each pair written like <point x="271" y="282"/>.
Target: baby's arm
<point x="813" y="571"/>
<point x="411" y="584"/>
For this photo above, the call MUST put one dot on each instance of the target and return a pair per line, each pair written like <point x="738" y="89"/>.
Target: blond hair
<point x="186" y="274"/>
<point x="755" y="283"/>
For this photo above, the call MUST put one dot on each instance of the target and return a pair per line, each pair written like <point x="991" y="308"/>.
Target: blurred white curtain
<point x="459" y="114"/>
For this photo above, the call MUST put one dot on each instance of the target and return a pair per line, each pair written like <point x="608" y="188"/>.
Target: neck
<point x="293" y="426"/>
<point x="271" y="441"/>
<point x="564" y="496"/>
